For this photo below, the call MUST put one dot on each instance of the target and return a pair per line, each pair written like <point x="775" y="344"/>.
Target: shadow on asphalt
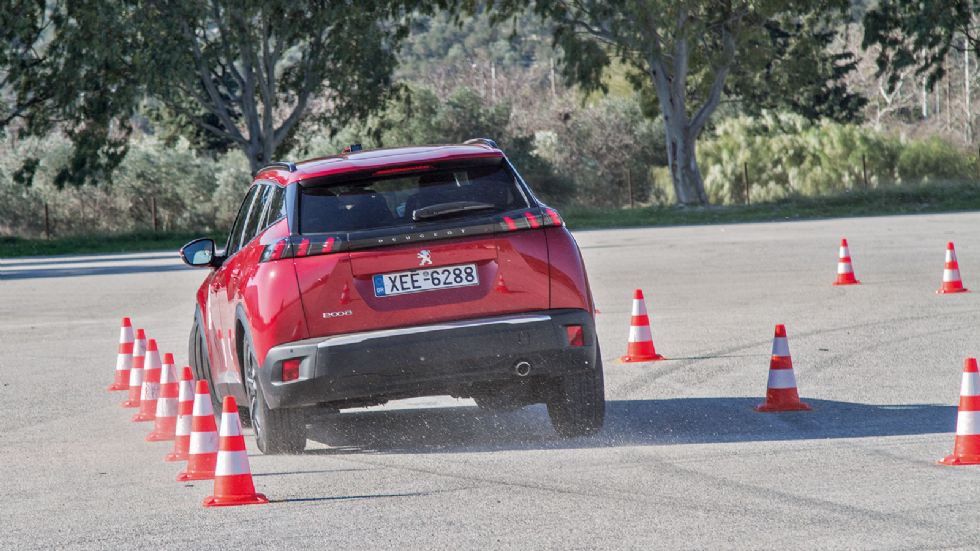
<point x="628" y="423"/>
<point x="41" y="273"/>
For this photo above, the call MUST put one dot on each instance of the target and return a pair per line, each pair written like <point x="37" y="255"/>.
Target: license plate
<point x="429" y="279"/>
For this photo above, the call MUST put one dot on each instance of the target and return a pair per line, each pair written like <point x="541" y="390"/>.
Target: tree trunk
<point x="684" y="171"/>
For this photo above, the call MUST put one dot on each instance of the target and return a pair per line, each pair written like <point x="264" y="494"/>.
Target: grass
<point x="936" y="197"/>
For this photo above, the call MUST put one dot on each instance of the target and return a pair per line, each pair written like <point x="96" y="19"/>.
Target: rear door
<point x="417" y="248"/>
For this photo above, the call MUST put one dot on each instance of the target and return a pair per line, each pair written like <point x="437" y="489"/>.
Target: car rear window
<point x="391" y="200"/>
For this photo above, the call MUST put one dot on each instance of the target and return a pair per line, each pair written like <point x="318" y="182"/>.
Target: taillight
<point x="530" y="219"/>
<point x="290" y="369"/>
<point x="552" y="217"/>
<point x="275" y="251"/>
<point x="303" y="248"/>
<point x="298" y="247"/>
<point x="576" y="337"/>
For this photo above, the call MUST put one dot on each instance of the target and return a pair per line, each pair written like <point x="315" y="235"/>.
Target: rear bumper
<point x="426" y="360"/>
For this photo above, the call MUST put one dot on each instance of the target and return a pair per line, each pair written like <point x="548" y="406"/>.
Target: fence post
<point x="47" y="222"/>
<point x="629" y="184"/>
<point x="864" y="170"/>
<point x="153" y="209"/>
<point x="745" y="175"/>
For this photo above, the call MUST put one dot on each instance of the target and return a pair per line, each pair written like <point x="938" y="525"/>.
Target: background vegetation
<point x="827" y="113"/>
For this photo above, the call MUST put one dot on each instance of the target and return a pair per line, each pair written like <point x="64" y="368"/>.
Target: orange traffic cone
<point x="203" y="450"/>
<point x="124" y="357"/>
<point x="640" y="347"/>
<point x="165" y="427"/>
<point x="185" y="413"/>
<point x="136" y="373"/>
<point x="845" y="271"/>
<point x="150" y="391"/>
<point x="951" y="273"/>
<point x="966" y="449"/>
<point x="232" y="475"/>
<point x="781" y="394"/>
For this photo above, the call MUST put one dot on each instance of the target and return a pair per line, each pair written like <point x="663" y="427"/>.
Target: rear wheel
<point x="577" y="402"/>
<point x="276" y="430"/>
<point x="200" y="363"/>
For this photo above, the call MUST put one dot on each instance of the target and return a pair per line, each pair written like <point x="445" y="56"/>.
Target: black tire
<point x="200" y="363"/>
<point x="577" y="403"/>
<point x="277" y="431"/>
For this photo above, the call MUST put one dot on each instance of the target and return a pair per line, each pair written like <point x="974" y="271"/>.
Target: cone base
<point x="953" y="460"/>
<point x="143" y="418"/>
<point x="130" y="404"/>
<point x="175" y="457"/>
<point x="950" y="291"/>
<point x="225" y="501"/>
<point x="629" y="359"/>
<point x="159" y="437"/>
<point x="116" y="387"/>
<point x="855" y="282"/>
<point x="185" y="476"/>
<point x="773" y="408"/>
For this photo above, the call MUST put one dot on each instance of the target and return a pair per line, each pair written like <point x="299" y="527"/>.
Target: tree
<point x="248" y="72"/>
<point x="685" y="50"/>
<point x="919" y="37"/>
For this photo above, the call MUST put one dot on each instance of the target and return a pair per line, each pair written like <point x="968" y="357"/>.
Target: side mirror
<point x="198" y="253"/>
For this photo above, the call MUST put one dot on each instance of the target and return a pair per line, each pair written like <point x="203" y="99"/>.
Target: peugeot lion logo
<point x="425" y="257"/>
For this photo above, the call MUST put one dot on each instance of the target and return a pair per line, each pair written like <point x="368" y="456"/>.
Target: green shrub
<point x="786" y="155"/>
<point x="933" y="159"/>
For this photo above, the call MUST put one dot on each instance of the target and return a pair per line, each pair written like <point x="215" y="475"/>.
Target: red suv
<point x="377" y="275"/>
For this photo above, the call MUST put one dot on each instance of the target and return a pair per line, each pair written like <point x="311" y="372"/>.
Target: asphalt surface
<point x="683" y="462"/>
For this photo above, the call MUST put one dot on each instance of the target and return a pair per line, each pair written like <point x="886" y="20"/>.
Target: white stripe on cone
<point x="186" y="393"/>
<point x="782" y="378"/>
<point x="139" y="347"/>
<point x="124" y="362"/>
<point x="203" y="442"/>
<point x="845" y="268"/>
<point x="231" y="463"/>
<point x="951" y="275"/>
<point x="970" y="385"/>
<point x="136" y="379"/>
<point x="639" y="307"/>
<point x="230" y="425"/>
<point x="844" y="252"/>
<point x="166" y="407"/>
<point x="640" y="333"/>
<point x="202" y="405"/>
<point x="780" y="346"/>
<point x="950" y="255"/>
<point x="968" y="423"/>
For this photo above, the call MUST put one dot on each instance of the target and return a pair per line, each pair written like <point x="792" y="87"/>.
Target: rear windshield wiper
<point x="448" y="209"/>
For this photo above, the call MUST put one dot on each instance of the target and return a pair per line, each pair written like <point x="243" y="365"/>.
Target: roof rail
<point x="482" y="141"/>
<point x="280" y="164"/>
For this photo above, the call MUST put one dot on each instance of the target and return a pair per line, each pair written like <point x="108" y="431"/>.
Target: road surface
<point x="683" y="461"/>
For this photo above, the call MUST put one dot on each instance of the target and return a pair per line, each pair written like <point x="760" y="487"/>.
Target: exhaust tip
<point x="522" y="369"/>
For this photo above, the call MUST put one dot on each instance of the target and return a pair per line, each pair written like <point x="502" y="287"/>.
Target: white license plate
<point x="429" y="279"/>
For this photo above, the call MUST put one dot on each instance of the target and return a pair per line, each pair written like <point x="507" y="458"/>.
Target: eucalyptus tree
<point x="685" y="50"/>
